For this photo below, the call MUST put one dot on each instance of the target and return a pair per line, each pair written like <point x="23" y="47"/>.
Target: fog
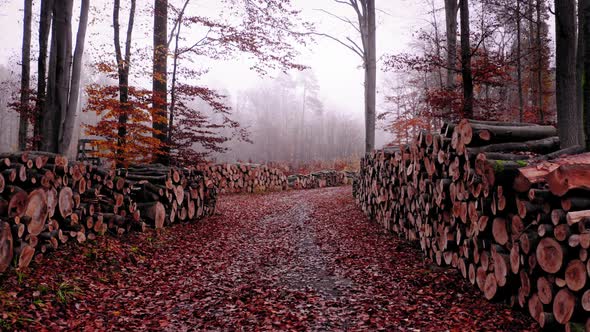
<point x="283" y="124"/>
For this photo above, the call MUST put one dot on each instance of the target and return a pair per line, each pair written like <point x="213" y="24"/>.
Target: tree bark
<point x="69" y="118"/>
<point x="44" y="29"/>
<point x="370" y="76"/>
<point x="25" y="77"/>
<point x="160" y="79"/>
<point x="466" y="61"/>
<point x="568" y="120"/>
<point x="584" y="8"/>
<point x="519" y="63"/>
<point x="539" y="50"/>
<point x="58" y="82"/>
<point x="123" y="62"/>
<point x="451" y="8"/>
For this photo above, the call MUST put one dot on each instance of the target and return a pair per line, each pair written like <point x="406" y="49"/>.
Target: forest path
<point x="304" y="260"/>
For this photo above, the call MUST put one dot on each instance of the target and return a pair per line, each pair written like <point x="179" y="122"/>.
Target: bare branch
<point x="343" y="19"/>
<point x="352" y="48"/>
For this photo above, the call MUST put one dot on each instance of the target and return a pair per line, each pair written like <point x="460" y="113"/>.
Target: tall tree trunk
<point x="58" y="82"/>
<point x="371" y="77"/>
<point x="451" y="8"/>
<point x="123" y="62"/>
<point x="585" y="31"/>
<point x="466" y="61"/>
<point x="581" y="46"/>
<point x="25" y="77"/>
<point x="176" y="55"/>
<point x="568" y="120"/>
<point x="519" y="62"/>
<point x="69" y="118"/>
<point x="44" y="27"/>
<point x="437" y="43"/>
<point x="539" y="51"/>
<point x="160" y="77"/>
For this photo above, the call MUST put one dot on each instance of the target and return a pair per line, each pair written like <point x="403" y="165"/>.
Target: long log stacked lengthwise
<point x="45" y="201"/>
<point x="328" y="178"/>
<point x="237" y="178"/>
<point x="499" y="202"/>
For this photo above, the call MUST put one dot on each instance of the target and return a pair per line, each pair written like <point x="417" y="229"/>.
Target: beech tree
<point x="160" y="77"/>
<point x="466" y="60"/>
<point x="584" y="31"/>
<point x="451" y="7"/>
<point x="25" y="113"/>
<point x="568" y="118"/>
<point x="60" y="109"/>
<point x="126" y="111"/>
<point x="45" y="18"/>
<point x="367" y="51"/>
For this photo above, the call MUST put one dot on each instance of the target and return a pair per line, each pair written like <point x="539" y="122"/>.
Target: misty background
<point x="298" y="115"/>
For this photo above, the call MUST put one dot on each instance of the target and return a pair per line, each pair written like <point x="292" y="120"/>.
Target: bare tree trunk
<point x="540" y="63"/>
<point x="466" y="61"/>
<point x="301" y="145"/>
<point x="123" y="71"/>
<point x="44" y="27"/>
<point x="519" y="62"/>
<point x="451" y="8"/>
<point x="437" y="42"/>
<point x="568" y="120"/>
<point x="176" y="55"/>
<point x="25" y="77"/>
<point x="580" y="58"/>
<point x="160" y="82"/>
<point x="69" y="118"/>
<point x="371" y="77"/>
<point x="59" y="75"/>
<point x="584" y="7"/>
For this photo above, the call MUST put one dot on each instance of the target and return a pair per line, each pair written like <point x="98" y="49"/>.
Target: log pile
<point x="499" y="202"/>
<point x="248" y="178"/>
<point x="46" y="201"/>
<point x="322" y="179"/>
<point x="166" y="195"/>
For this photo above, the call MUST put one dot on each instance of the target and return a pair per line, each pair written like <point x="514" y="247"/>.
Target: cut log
<point x="542" y="146"/>
<point x="550" y="255"/>
<point x="490" y="287"/>
<point x="65" y="202"/>
<point x="545" y="290"/>
<point x="575" y="275"/>
<point x="564" y="306"/>
<point x="154" y="212"/>
<point x="26" y="255"/>
<point x="535" y="307"/>
<point x="568" y="177"/>
<point x="17" y="203"/>
<point x="500" y="231"/>
<point x="576" y="216"/>
<point x="501" y="134"/>
<point x="6" y="244"/>
<point x="586" y="300"/>
<point x="37" y="211"/>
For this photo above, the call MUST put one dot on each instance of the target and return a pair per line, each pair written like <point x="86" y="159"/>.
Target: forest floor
<point x="297" y="260"/>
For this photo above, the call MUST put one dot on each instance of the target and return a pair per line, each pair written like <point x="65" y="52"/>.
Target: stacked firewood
<point x="327" y="178"/>
<point x="249" y="178"/>
<point x="169" y="195"/>
<point x="46" y="200"/>
<point x="501" y="203"/>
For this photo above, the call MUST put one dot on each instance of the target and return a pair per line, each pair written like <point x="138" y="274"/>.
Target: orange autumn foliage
<point x="139" y="144"/>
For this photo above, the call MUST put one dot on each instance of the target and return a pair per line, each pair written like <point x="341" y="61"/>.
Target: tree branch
<point x="341" y="43"/>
